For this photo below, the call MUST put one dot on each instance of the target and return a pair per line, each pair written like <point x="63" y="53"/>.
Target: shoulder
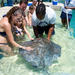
<point x="34" y="16"/>
<point x="5" y="22"/>
<point x="50" y="12"/>
<point x="49" y="9"/>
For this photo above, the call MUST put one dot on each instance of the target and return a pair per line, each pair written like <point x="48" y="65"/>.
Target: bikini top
<point x="3" y="34"/>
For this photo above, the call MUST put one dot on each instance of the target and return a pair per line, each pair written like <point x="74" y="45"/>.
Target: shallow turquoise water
<point x="64" y="65"/>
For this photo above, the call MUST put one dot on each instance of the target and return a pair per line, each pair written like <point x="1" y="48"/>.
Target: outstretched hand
<point x="32" y="39"/>
<point x="48" y="39"/>
<point x="27" y="48"/>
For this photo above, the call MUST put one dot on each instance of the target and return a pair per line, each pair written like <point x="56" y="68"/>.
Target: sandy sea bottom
<point x="64" y="65"/>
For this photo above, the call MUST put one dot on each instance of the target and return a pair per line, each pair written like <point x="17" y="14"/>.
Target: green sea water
<point x="64" y="65"/>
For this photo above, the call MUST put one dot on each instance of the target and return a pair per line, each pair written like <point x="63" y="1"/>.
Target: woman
<point x="13" y="19"/>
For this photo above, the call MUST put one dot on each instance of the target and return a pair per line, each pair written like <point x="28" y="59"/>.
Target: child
<point x="30" y="12"/>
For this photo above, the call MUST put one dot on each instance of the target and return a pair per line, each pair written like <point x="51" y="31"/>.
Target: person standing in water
<point x="66" y="14"/>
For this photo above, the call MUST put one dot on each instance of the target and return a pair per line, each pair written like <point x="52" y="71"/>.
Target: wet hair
<point x="41" y="10"/>
<point x="31" y="7"/>
<point x="14" y="11"/>
<point x="23" y="1"/>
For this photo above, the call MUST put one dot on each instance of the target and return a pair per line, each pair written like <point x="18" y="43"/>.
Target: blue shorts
<point x="64" y="16"/>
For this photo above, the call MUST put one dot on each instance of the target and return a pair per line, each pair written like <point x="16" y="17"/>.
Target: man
<point x="23" y="4"/>
<point x="72" y="23"/>
<point x="43" y="19"/>
<point x="40" y="2"/>
<point x="66" y="14"/>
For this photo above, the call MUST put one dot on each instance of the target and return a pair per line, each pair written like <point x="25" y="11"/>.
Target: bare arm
<point x="27" y="20"/>
<point x="28" y="34"/>
<point x="50" y="31"/>
<point x="69" y="7"/>
<point x="7" y="28"/>
<point x="30" y="19"/>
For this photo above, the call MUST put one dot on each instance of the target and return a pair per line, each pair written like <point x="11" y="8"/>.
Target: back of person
<point x="43" y="20"/>
<point x="48" y="19"/>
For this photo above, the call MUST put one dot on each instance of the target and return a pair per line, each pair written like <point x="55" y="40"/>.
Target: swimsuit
<point x="3" y="34"/>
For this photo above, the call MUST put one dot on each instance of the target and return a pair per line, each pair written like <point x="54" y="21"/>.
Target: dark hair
<point x="41" y="10"/>
<point x="40" y="2"/>
<point x="14" y="11"/>
<point x="31" y="7"/>
<point x="23" y="1"/>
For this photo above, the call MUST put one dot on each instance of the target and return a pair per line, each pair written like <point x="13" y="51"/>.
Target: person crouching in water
<point x="13" y="19"/>
<point x="43" y="20"/>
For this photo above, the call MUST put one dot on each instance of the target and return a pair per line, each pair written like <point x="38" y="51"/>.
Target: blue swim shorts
<point x="64" y="16"/>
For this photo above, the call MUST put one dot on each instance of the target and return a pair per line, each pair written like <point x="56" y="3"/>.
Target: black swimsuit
<point x="3" y="34"/>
